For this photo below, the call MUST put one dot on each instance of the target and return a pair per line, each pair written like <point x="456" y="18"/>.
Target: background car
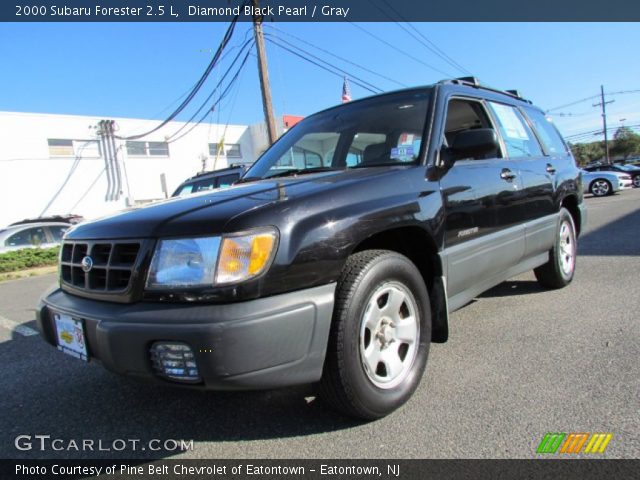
<point x="31" y="235"/>
<point x="631" y="170"/>
<point x="605" y="183"/>
<point x="209" y="181"/>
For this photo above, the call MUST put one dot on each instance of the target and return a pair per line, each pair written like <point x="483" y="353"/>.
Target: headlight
<point x="245" y="256"/>
<point x="206" y="261"/>
<point x="184" y="262"/>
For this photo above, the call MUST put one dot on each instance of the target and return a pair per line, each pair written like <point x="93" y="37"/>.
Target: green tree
<point x="625" y="143"/>
<point x="585" y="153"/>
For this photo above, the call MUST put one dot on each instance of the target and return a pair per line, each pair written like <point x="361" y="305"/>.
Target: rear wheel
<point x="558" y="271"/>
<point x="380" y="335"/>
<point x="601" y="187"/>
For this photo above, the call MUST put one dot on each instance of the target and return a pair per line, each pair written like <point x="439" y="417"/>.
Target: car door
<point x="558" y="166"/>
<point x="537" y="172"/>
<point x="479" y="195"/>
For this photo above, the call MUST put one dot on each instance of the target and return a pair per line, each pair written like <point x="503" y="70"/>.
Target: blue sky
<point x="142" y="69"/>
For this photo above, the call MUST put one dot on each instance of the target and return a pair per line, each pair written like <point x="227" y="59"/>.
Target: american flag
<point x="346" y="91"/>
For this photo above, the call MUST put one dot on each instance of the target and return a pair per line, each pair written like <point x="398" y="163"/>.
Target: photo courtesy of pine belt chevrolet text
<point x="336" y="258"/>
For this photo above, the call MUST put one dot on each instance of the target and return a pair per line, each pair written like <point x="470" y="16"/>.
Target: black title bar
<point x="583" y="469"/>
<point x="319" y="10"/>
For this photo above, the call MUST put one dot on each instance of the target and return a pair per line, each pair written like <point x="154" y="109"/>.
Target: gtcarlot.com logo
<point x="574" y="443"/>
<point x="47" y="443"/>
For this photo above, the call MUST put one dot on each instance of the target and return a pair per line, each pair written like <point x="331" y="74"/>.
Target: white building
<point x="56" y="164"/>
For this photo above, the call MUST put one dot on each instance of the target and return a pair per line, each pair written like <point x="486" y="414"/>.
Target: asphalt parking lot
<point x="520" y="362"/>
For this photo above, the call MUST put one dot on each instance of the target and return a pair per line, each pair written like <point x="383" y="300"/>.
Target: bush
<point x="28" y="258"/>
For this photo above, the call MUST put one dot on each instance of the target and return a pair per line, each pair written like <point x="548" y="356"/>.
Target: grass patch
<point x="28" y="258"/>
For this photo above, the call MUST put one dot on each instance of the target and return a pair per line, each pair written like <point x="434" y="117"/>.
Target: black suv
<point x="341" y="270"/>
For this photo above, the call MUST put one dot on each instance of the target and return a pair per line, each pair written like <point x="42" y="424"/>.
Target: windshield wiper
<point x="301" y="171"/>
<point x="386" y="164"/>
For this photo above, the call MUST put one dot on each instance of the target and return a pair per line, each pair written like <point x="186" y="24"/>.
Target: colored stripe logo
<point x="573" y="443"/>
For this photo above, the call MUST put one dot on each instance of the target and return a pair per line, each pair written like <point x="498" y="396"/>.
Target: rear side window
<point x="227" y="180"/>
<point x="547" y="132"/>
<point x="29" y="237"/>
<point x="517" y="135"/>
<point x="57" y="232"/>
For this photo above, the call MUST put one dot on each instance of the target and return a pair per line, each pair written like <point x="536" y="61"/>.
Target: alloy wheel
<point x="389" y="335"/>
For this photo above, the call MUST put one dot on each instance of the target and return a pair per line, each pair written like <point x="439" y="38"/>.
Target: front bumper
<point x="264" y="343"/>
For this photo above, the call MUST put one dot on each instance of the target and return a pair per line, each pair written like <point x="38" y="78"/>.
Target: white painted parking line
<point x="16" y="327"/>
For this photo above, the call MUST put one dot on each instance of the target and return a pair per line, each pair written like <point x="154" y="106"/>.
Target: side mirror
<point x="474" y="143"/>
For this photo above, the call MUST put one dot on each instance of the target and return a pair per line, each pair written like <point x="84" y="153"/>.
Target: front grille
<point x="112" y="265"/>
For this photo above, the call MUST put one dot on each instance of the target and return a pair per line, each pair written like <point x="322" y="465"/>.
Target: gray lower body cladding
<point x="265" y="343"/>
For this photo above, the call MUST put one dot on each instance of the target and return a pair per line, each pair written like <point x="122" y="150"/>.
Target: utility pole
<point x="603" y="104"/>
<point x="264" y="73"/>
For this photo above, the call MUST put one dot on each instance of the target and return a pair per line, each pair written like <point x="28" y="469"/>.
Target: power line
<point x="598" y="132"/>
<point x="432" y="47"/>
<point x="350" y="62"/>
<point x="225" y="40"/>
<point x="340" y="73"/>
<point x="215" y="89"/>
<point x="621" y="92"/>
<point x="329" y="65"/>
<point x="399" y="50"/>
<point x="86" y="192"/>
<point x="222" y="95"/>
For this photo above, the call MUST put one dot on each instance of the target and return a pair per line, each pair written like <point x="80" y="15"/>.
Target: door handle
<point x="551" y="169"/>
<point x="507" y="174"/>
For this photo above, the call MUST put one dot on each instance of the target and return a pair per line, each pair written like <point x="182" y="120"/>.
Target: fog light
<point x="175" y="361"/>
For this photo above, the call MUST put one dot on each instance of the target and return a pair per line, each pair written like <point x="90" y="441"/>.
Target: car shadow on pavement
<point x="620" y="237"/>
<point x="513" y="287"/>
<point x="55" y="394"/>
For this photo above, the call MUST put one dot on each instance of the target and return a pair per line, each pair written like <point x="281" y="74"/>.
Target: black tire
<point x="636" y="181"/>
<point x="556" y="273"/>
<point x="346" y="384"/>
<point x="601" y="187"/>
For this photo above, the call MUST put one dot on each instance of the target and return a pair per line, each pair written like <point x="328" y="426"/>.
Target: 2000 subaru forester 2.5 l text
<point x="338" y="256"/>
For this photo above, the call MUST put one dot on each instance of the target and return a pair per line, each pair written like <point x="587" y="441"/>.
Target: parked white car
<point x="601" y="184"/>
<point x="30" y="235"/>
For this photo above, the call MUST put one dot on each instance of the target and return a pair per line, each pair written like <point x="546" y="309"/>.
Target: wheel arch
<point x="419" y="246"/>
<point x="571" y="203"/>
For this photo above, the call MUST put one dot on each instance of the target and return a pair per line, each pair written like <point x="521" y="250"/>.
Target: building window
<point x="59" y="147"/>
<point x="230" y="150"/>
<point x="150" y="149"/>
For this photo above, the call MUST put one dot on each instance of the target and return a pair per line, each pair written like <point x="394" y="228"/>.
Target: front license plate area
<point x="71" y="337"/>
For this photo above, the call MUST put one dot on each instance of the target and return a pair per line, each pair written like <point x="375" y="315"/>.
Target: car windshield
<point x="384" y="130"/>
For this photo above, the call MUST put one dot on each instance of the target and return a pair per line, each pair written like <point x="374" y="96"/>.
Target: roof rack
<point x="475" y="83"/>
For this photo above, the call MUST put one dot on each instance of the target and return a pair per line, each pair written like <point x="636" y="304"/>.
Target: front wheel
<point x="380" y="335"/>
<point x="636" y="181"/>
<point x="559" y="270"/>
<point x="601" y="188"/>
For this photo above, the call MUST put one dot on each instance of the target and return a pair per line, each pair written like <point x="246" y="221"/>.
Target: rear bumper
<point x="265" y="343"/>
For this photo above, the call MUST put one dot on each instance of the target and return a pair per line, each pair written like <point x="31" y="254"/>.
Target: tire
<point x="559" y="270"/>
<point x="601" y="187"/>
<point x="636" y="181"/>
<point x="380" y="335"/>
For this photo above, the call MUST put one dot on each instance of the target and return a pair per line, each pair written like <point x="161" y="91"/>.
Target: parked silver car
<point x="601" y="184"/>
<point x="30" y="235"/>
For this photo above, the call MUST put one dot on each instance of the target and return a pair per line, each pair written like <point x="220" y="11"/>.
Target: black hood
<point x="208" y="213"/>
